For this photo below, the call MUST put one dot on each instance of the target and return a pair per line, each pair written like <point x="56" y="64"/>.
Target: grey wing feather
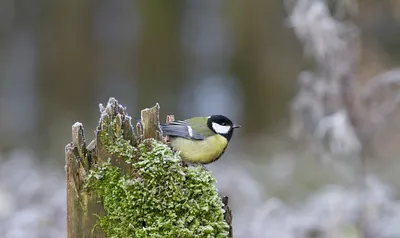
<point x="180" y="129"/>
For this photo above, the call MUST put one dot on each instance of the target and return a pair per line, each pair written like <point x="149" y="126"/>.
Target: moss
<point x="162" y="198"/>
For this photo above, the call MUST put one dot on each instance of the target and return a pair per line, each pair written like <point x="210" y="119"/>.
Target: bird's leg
<point x="187" y="164"/>
<point x="184" y="164"/>
<point x="202" y="165"/>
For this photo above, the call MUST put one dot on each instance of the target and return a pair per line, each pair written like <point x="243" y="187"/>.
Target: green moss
<point x="161" y="199"/>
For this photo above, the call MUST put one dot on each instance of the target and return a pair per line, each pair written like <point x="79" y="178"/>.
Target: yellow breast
<point x="200" y="151"/>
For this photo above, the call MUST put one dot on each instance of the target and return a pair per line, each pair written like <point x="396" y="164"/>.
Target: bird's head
<point x="221" y="125"/>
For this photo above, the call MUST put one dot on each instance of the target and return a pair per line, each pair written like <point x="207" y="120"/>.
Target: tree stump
<point x="133" y="163"/>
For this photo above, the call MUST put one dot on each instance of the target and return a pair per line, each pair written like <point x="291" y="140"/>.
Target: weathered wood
<point x="170" y="118"/>
<point x="228" y="215"/>
<point x="83" y="206"/>
<point x="80" y="205"/>
<point x="114" y="129"/>
<point x="151" y="124"/>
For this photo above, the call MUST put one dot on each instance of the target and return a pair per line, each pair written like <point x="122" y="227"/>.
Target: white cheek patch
<point x="220" y="129"/>
<point x="190" y="130"/>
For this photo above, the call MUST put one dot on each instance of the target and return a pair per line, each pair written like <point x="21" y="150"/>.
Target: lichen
<point x="161" y="198"/>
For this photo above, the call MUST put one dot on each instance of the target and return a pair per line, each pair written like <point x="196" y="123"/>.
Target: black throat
<point x="228" y="135"/>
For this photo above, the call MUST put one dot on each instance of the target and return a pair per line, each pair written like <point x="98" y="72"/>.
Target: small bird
<point x="200" y="139"/>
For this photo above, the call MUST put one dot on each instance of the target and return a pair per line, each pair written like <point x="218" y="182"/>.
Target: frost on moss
<point x="160" y="199"/>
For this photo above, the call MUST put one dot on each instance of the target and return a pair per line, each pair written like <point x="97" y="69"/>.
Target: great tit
<point x="200" y="139"/>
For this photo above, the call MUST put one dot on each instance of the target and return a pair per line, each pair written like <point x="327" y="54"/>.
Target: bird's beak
<point x="235" y="126"/>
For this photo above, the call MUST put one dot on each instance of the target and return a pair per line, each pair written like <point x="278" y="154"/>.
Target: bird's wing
<point x="199" y="124"/>
<point x="180" y="129"/>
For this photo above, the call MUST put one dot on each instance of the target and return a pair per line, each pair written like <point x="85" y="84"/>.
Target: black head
<point x="221" y="125"/>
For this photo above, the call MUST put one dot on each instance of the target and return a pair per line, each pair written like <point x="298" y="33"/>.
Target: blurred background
<point x="313" y="83"/>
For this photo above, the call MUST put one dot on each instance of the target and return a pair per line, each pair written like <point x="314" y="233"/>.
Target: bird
<point x="200" y="140"/>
